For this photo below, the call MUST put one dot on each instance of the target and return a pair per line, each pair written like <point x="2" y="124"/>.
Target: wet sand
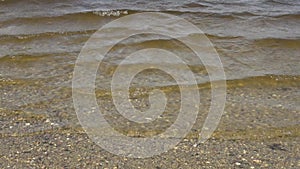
<point x="251" y="134"/>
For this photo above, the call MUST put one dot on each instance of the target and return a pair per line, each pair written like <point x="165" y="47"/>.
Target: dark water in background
<point x="258" y="36"/>
<point x="40" y="40"/>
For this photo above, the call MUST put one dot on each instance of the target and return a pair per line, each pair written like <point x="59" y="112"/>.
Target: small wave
<point x="289" y="16"/>
<point x="217" y="36"/>
<point x="195" y="5"/>
<point x="285" y="2"/>
<point x="106" y="13"/>
<point x="30" y="37"/>
<point x="110" y="13"/>
<point x="286" y="43"/>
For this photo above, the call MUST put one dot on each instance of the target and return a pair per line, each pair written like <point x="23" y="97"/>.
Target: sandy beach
<point x="251" y="135"/>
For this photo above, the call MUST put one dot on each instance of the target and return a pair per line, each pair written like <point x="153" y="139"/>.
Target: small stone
<point x="257" y="161"/>
<point x="53" y="124"/>
<point x="237" y="163"/>
<point x="149" y="119"/>
<point x="27" y="124"/>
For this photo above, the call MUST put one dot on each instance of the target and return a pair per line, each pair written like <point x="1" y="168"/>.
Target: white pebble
<point x="237" y="163"/>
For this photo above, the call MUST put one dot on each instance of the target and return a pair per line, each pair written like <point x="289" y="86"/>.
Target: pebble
<point x="237" y="163"/>
<point x="257" y="161"/>
<point x="53" y="124"/>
